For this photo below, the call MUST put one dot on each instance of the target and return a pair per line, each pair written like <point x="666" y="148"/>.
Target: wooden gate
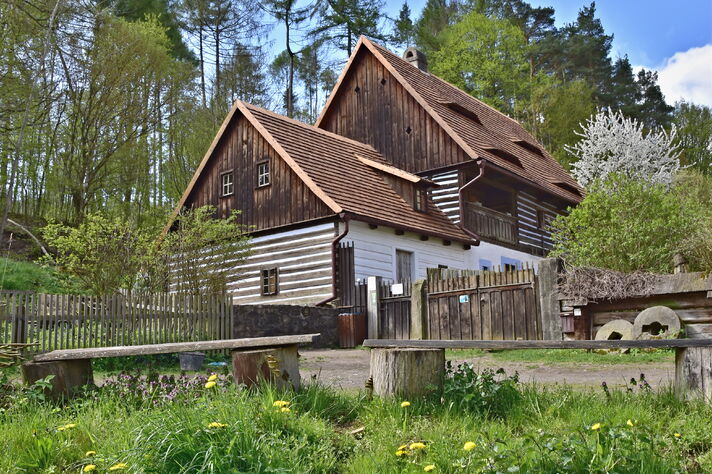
<point x="394" y="311"/>
<point x="483" y="306"/>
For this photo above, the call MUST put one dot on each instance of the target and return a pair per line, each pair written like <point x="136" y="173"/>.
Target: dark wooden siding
<point x="286" y="200"/>
<point x="530" y="234"/>
<point x="381" y="112"/>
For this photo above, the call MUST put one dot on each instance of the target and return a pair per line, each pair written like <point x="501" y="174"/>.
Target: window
<point x="442" y="267"/>
<point x="263" y="174"/>
<point x="227" y="184"/>
<point x="420" y="200"/>
<point x="510" y="264"/>
<point x="270" y="281"/>
<point x="485" y="264"/>
<point x="540" y="218"/>
<point x="404" y="266"/>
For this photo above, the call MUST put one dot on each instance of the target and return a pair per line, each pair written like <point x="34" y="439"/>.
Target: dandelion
<point x="210" y="384"/>
<point x="215" y="424"/>
<point x="285" y="410"/>
<point x="417" y="445"/>
<point x="630" y="423"/>
<point x="677" y="435"/>
<point x="118" y="467"/>
<point x="89" y="454"/>
<point x="280" y="403"/>
<point x="405" y="404"/>
<point x="68" y="426"/>
<point x="469" y="446"/>
<point x="89" y="468"/>
<point x="596" y="427"/>
<point x="401" y="452"/>
<point x="402" y="447"/>
<point x="212" y="378"/>
<point x="429" y="467"/>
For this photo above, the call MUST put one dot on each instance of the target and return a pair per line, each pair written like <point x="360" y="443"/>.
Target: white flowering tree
<point x="612" y="143"/>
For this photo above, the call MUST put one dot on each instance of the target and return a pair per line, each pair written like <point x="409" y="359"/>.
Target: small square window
<point x="227" y="184"/>
<point x="263" y="178"/>
<point x="270" y="281"/>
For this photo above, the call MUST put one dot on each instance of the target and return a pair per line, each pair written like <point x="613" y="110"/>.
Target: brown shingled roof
<point x="478" y="128"/>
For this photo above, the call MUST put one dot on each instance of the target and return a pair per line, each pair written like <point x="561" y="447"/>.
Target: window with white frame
<point x="263" y="177"/>
<point x="228" y="185"/>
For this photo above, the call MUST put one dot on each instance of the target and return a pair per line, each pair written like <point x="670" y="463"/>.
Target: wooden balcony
<point x="491" y="225"/>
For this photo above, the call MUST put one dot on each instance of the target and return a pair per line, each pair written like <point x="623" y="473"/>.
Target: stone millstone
<point x="407" y="372"/>
<point x="658" y="321"/>
<point x="618" y="329"/>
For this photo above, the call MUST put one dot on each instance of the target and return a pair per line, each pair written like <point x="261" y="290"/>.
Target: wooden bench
<point x="412" y="367"/>
<point x="253" y="359"/>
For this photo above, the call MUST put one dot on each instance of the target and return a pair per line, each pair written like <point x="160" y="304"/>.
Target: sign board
<point x="464" y="298"/>
<point x="397" y="289"/>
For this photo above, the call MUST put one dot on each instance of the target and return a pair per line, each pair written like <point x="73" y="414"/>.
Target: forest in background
<point x="109" y="105"/>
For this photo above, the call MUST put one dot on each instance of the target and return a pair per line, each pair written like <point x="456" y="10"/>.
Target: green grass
<point x="566" y="356"/>
<point x="544" y="430"/>
<point x="28" y="276"/>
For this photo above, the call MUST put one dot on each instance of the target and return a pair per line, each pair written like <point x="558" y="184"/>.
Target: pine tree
<point x="403" y="28"/>
<point x="654" y="111"/>
<point x="436" y="16"/>
<point x="341" y="22"/>
<point x="622" y="91"/>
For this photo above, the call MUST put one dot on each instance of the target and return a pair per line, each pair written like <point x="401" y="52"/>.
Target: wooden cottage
<point x="495" y="179"/>
<point x="305" y="190"/>
<point x="403" y="168"/>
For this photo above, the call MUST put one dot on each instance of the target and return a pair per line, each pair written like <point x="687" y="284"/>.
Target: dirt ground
<point x="348" y="369"/>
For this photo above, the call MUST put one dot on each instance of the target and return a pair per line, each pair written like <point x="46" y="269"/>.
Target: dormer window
<point x="420" y="200"/>
<point x="263" y="177"/>
<point x="227" y="184"/>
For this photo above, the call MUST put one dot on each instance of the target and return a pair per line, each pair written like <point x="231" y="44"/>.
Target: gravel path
<point x="348" y="369"/>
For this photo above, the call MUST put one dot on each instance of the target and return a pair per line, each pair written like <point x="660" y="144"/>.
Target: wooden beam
<point x="502" y="345"/>
<point x="169" y="348"/>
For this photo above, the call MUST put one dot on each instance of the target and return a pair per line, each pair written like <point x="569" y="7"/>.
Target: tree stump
<point x="69" y="375"/>
<point x="279" y="365"/>
<point x="693" y="373"/>
<point x="407" y="372"/>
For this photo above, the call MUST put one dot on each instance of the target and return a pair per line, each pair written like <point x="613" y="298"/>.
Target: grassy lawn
<point x="172" y="426"/>
<point x="566" y="356"/>
<point x="28" y="276"/>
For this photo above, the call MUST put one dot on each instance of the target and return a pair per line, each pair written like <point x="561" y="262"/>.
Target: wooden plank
<point x="519" y="311"/>
<point x="454" y="317"/>
<point x="149" y="349"/>
<point x="504" y="345"/>
<point x="533" y="324"/>
<point x="507" y="313"/>
<point x="485" y="312"/>
<point x="465" y="310"/>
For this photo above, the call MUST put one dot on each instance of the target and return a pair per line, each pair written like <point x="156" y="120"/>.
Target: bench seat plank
<point x="169" y="348"/>
<point x="502" y="345"/>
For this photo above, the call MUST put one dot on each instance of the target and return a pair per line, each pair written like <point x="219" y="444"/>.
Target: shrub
<point x="490" y="393"/>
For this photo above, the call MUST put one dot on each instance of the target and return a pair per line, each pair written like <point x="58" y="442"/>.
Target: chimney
<point x="416" y="58"/>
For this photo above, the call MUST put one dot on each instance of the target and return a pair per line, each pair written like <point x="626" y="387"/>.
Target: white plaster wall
<point x="494" y="253"/>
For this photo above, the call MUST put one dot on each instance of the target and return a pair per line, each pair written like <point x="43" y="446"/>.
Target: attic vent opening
<point x="568" y="187"/>
<point x="505" y="155"/>
<point x="383" y="81"/>
<point x="357" y="89"/>
<point x="462" y="110"/>
<point x="529" y="146"/>
<point x="408" y="130"/>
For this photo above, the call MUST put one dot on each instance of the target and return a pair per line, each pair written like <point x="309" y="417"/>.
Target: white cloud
<point x="687" y="75"/>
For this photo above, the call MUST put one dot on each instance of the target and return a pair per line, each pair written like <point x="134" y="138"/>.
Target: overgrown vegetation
<point x="224" y="429"/>
<point x="28" y="276"/>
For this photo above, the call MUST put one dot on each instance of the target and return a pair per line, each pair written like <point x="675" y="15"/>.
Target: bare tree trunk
<point x="202" y="65"/>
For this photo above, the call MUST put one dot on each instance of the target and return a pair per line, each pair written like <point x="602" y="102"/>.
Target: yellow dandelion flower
<point x="89" y="454"/>
<point x="402" y="446"/>
<point x="89" y="468"/>
<point x="280" y="403"/>
<point x="405" y="404"/>
<point x="401" y="452"/>
<point x="469" y="446"/>
<point x="215" y="424"/>
<point x="595" y="427"/>
<point x="630" y="423"/>
<point x="285" y="410"/>
<point x="210" y="384"/>
<point x="68" y="426"/>
<point x="212" y="378"/>
<point x="677" y="435"/>
<point x="417" y="445"/>
<point x="118" y="467"/>
<point x="429" y="467"/>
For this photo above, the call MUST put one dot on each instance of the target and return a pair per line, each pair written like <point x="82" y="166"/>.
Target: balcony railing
<point x="491" y="225"/>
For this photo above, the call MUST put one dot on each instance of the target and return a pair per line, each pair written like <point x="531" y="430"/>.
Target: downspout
<point x="334" y="256"/>
<point x="461" y="200"/>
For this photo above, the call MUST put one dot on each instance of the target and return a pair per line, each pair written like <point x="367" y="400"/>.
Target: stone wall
<point x="284" y="320"/>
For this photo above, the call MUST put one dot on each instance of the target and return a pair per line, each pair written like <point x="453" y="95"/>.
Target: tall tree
<point x="654" y="111"/>
<point x="403" y="27"/>
<point x="342" y="21"/>
<point x="622" y="91"/>
<point x="436" y="16"/>
<point x="694" y="125"/>
<point x="244" y="76"/>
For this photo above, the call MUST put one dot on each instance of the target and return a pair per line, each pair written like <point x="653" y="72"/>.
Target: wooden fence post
<point x="19" y="332"/>
<point x="547" y="291"/>
<point x="419" y="310"/>
<point x="373" y="306"/>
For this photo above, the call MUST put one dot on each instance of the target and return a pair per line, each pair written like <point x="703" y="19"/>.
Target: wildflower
<point x="285" y="410"/>
<point x="595" y="427"/>
<point x="210" y="384"/>
<point x="405" y="404"/>
<point x="68" y="426"/>
<point x="630" y="423"/>
<point x="429" y="467"/>
<point x="212" y="378"/>
<point x="215" y="424"/>
<point x="401" y="452"/>
<point x="118" y="467"/>
<point x="402" y="447"/>
<point x="280" y="403"/>
<point x="469" y="446"/>
<point x="677" y="435"/>
<point x="417" y="445"/>
<point x="89" y="453"/>
<point x="89" y="468"/>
